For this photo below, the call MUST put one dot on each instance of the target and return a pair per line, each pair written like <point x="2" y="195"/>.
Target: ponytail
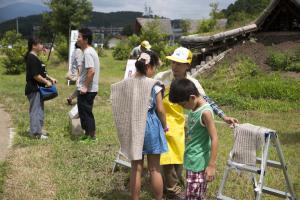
<point x="146" y="58"/>
<point x="31" y="41"/>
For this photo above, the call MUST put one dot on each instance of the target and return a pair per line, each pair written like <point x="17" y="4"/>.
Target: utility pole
<point x="17" y="24"/>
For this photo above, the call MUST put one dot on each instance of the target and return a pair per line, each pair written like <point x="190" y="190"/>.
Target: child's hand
<point x="210" y="172"/>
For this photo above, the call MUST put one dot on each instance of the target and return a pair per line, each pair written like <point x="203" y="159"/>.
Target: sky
<point x="173" y="9"/>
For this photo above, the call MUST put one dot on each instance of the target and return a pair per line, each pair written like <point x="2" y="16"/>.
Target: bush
<point x="284" y="61"/>
<point x="62" y="48"/>
<point x="121" y="51"/>
<point x="13" y="60"/>
<point x="206" y="25"/>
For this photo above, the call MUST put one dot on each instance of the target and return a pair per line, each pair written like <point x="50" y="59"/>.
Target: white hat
<point x="181" y="55"/>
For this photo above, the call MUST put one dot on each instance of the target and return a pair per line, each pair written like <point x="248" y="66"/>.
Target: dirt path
<point x="4" y="133"/>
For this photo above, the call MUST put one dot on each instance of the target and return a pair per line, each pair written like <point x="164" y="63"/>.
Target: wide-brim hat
<point x="146" y="44"/>
<point x="181" y="55"/>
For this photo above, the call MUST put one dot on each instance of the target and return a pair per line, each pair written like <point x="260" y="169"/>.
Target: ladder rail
<point x="284" y="166"/>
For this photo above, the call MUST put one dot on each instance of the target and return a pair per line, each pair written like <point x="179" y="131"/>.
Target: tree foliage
<point x="244" y="11"/>
<point x="14" y="49"/>
<point x="67" y="14"/>
<point x="185" y="25"/>
<point x="151" y="32"/>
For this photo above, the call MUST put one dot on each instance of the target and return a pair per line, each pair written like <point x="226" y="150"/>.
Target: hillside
<point x="20" y="10"/>
<point x="114" y="19"/>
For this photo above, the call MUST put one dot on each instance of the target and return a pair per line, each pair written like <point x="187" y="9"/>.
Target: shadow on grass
<point x="289" y="137"/>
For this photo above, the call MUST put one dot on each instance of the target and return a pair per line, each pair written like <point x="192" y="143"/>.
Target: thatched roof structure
<point x="280" y="15"/>
<point x="164" y="25"/>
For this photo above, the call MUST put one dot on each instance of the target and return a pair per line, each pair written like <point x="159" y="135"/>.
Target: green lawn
<point x="62" y="168"/>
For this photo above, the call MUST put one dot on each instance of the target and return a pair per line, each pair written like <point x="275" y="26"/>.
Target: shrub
<point x="14" y="49"/>
<point x="121" y="51"/>
<point x="62" y="48"/>
<point x="284" y="61"/>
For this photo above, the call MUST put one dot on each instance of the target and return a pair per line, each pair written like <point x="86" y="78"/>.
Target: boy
<point x="201" y="142"/>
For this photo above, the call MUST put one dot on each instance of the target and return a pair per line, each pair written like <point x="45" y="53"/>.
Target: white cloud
<point x="174" y="9"/>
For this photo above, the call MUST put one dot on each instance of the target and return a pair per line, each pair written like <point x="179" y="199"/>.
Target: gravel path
<point x="5" y="130"/>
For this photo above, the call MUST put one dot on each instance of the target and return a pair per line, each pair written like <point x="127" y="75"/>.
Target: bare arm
<point x="160" y="110"/>
<point x="40" y="79"/>
<point x="209" y="123"/>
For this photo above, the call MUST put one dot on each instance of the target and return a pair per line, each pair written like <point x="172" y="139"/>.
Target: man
<point x="136" y="51"/>
<point x="88" y="84"/>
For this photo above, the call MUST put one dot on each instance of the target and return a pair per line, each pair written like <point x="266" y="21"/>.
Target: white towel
<point x="248" y="138"/>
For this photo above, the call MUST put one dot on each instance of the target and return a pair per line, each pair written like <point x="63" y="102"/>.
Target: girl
<point x="141" y="124"/>
<point x="36" y="76"/>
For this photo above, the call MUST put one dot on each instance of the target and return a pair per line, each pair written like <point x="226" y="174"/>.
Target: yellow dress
<point x="175" y="121"/>
<point x="175" y="135"/>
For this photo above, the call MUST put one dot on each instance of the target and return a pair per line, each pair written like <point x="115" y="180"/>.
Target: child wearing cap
<point x="136" y="51"/>
<point x="200" y="152"/>
<point x="172" y="160"/>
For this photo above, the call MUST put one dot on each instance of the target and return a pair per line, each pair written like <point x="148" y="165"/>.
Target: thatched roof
<point x="164" y="24"/>
<point x="269" y="15"/>
<point x="280" y="15"/>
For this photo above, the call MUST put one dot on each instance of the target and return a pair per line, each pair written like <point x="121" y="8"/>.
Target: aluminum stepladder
<point x="263" y="162"/>
<point x="121" y="159"/>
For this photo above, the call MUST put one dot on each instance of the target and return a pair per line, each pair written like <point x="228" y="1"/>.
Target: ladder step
<point x="275" y="192"/>
<point x="222" y="197"/>
<point x="245" y="167"/>
<point x="123" y="162"/>
<point x="270" y="163"/>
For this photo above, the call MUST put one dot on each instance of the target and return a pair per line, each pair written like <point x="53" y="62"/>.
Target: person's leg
<point x="155" y="175"/>
<point x="36" y="113"/>
<point x="81" y="103"/>
<point x="179" y="169"/>
<point x="90" y="120"/>
<point x="171" y="182"/>
<point x="135" y="178"/>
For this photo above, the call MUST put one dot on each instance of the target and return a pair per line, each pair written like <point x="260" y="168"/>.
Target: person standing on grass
<point x="200" y="154"/>
<point x="88" y="84"/>
<point x="141" y="122"/>
<point x="74" y="73"/>
<point x="36" y="75"/>
<point x="172" y="160"/>
<point x="136" y="51"/>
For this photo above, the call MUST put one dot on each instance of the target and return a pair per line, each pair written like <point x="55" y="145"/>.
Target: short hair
<point x="181" y="90"/>
<point x="87" y="34"/>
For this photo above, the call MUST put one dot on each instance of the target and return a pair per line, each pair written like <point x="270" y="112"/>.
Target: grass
<point x="63" y="168"/>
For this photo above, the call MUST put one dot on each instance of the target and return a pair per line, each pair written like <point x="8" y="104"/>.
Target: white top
<point x="90" y="60"/>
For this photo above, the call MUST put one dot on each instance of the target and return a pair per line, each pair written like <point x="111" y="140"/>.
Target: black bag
<point x="48" y="93"/>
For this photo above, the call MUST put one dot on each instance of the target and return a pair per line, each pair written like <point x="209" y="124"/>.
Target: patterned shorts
<point x="196" y="185"/>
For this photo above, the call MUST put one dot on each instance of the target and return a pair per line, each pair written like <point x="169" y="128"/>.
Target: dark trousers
<point x="85" y="104"/>
<point x="36" y="112"/>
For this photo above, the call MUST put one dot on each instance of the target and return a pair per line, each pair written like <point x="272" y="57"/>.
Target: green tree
<point x="14" y="49"/>
<point x="185" y="25"/>
<point x="67" y="14"/>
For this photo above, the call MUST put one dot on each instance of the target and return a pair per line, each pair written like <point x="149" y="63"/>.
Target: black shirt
<point x="34" y="67"/>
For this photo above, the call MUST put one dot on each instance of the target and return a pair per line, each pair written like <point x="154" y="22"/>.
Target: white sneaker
<point x="43" y="137"/>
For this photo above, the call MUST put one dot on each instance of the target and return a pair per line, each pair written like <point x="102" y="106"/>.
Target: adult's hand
<point x="230" y="120"/>
<point x="83" y="90"/>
